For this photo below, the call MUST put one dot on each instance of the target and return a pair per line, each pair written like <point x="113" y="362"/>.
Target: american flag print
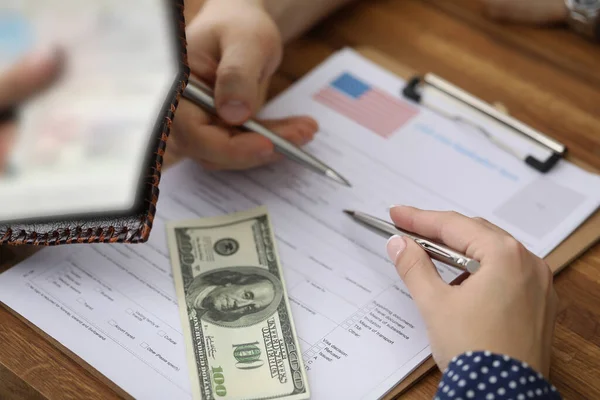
<point x="366" y="105"/>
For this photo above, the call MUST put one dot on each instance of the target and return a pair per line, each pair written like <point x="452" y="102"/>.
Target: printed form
<point x="115" y="305"/>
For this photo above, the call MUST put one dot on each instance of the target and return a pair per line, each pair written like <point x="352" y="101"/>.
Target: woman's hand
<point x="528" y="11"/>
<point x="508" y="306"/>
<point x="235" y="46"/>
<point x="26" y="78"/>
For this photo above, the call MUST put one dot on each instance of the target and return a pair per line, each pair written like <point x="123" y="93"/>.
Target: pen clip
<point x="433" y="249"/>
<point x="202" y="86"/>
<point x="440" y="254"/>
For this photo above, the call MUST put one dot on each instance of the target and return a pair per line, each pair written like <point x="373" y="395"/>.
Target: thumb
<point x="245" y="62"/>
<point x="416" y="270"/>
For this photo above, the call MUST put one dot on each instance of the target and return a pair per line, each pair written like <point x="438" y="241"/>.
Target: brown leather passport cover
<point x="135" y="225"/>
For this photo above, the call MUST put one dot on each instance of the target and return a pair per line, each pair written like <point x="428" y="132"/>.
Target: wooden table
<point x="549" y="78"/>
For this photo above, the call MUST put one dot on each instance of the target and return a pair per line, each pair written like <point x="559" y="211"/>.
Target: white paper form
<point x="360" y="333"/>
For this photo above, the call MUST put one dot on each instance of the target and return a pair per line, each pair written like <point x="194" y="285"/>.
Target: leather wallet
<point x="134" y="225"/>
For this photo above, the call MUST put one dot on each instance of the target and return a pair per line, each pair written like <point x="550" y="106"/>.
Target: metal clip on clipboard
<point x="415" y="91"/>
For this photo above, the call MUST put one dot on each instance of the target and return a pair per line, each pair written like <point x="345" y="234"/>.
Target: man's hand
<point x="235" y="46"/>
<point x="527" y="11"/>
<point x="23" y="80"/>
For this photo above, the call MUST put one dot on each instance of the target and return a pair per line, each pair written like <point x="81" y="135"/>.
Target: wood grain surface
<point x="549" y="78"/>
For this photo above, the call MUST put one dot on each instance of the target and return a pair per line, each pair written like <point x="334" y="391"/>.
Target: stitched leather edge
<point x="133" y="229"/>
<point x="153" y="180"/>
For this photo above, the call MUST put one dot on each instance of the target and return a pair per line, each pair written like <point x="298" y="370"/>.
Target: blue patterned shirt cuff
<point x="487" y="376"/>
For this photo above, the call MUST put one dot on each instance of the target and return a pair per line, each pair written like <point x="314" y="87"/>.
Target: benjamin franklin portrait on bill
<point x="235" y="297"/>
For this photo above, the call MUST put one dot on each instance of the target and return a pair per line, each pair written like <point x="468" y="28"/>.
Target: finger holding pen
<point x="507" y="307"/>
<point x="234" y="49"/>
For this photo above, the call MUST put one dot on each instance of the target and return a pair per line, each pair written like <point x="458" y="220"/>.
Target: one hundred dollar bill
<point x="240" y="337"/>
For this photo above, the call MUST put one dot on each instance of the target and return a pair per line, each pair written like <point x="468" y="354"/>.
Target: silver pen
<point x="435" y="250"/>
<point x="203" y="96"/>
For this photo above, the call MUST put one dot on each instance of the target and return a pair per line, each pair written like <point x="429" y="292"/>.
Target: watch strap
<point x="584" y="23"/>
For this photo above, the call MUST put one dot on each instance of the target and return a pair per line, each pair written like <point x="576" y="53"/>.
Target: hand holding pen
<point x="435" y="250"/>
<point x="223" y="52"/>
<point x="230" y="71"/>
<point x="201" y="95"/>
<point x="508" y="306"/>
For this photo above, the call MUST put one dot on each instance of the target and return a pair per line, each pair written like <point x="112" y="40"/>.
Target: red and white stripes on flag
<point x="368" y="106"/>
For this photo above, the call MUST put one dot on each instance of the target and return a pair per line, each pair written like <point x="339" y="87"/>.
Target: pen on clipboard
<point x="201" y="95"/>
<point x="434" y="250"/>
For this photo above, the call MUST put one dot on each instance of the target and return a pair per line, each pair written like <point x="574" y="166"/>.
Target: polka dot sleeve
<point x="483" y="375"/>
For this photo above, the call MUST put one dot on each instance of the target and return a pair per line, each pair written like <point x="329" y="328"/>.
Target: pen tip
<point x="349" y="212"/>
<point x="338" y="178"/>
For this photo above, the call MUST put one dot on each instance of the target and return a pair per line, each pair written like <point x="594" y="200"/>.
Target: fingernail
<point x="393" y="206"/>
<point x="266" y="154"/>
<point x="306" y="138"/>
<point x="311" y="125"/>
<point x="307" y="134"/>
<point x="395" y="246"/>
<point x="235" y="112"/>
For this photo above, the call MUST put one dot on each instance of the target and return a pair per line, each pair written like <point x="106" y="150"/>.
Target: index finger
<point x="457" y="231"/>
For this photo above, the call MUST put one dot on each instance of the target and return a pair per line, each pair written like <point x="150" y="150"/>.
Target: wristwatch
<point x="584" y="17"/>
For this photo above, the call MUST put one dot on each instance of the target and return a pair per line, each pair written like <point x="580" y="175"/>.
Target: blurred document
<point x="358" y="329"/>
<point x="81" y="144"/>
